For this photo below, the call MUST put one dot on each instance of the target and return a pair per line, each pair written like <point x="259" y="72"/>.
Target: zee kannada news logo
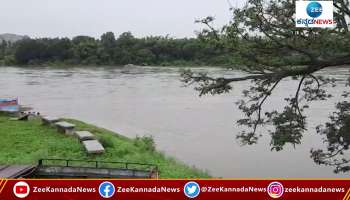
<point x="21" y="189"/>
<point x="314" y="14"/>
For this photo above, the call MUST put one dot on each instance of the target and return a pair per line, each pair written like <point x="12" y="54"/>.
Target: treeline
<point x="109" y="50"/>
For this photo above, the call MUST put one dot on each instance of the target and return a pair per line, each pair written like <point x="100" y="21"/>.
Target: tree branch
<point x="296" y="98"/>
<point x="262" y="102"/>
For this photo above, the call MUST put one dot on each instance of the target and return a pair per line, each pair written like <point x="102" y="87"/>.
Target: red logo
<point x="21" y="189"/>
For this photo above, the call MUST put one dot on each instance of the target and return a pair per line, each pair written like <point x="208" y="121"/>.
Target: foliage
<point x="337" y="138"/>
<point x="146" y="142"/>
<point x="270" y="49"/>
<point x="109" y="50"/>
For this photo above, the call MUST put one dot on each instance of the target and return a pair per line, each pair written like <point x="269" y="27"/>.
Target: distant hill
<point x="9" y="37"/>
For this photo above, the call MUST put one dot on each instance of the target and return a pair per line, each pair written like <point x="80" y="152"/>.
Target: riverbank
<point x="70" y="65"/>
<point x="25" y="142"/>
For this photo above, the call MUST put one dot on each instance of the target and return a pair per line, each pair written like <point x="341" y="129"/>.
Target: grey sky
<point x="59" y="18"/>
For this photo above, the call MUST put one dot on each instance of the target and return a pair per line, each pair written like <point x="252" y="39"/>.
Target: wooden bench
<point x="93" y="147"/>
<point x="65" y="127"/>
<point x="47" y="120"/>
<point x="84" y="135"/>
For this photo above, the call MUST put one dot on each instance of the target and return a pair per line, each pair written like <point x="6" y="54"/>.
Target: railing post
<point x="40" y="162"/>
<point x="67" y="163"/>
<point x="96" y="164"/>
<point x="126" y="165"/>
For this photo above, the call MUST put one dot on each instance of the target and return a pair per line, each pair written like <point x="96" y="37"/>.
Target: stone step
<point x="48" y="120"/>
<point x="93" y="147"/>
<point x="65" y="127"/>
<point x="84" y="135"/>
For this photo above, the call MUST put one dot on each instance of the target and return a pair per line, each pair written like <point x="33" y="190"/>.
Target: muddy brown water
<point x="151" y="101"/>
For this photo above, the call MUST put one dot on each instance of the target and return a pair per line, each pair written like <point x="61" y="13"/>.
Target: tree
<point x="85" y="49"/>
<point x="263" y="36"/>
<point x="108" y="43"/>
<point x="3" y="46"/>
<point x="59" y="49"/>
<point x="126" y="40"/>
<point x="28" y="50"/>
<point x="144" y="56"/>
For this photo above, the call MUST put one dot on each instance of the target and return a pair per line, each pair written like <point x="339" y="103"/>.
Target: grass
<point x="25" y="142"/>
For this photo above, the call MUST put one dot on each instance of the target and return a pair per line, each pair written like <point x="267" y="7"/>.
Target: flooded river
<point x="151" y="101"/>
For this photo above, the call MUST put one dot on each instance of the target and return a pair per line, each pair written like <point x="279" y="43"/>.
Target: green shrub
<point x="145" y="142"/>
<point x="106" y="142"/>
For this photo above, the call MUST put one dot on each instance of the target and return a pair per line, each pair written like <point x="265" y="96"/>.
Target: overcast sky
<point x="68" y="18"/>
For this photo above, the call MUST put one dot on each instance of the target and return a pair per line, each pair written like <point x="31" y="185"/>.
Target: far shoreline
<point x="62" y="66"/>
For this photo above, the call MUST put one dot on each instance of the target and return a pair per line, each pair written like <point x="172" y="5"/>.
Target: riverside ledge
<point x="44" y="142"/>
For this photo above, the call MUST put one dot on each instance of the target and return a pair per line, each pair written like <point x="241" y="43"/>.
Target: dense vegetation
<point x="108" y="50"/>
<point x="24" y="142"/>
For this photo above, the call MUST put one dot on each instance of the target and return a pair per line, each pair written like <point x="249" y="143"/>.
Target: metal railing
<point x="98" y="164"/>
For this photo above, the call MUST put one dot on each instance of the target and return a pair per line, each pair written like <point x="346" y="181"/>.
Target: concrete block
<point x="47" y="120"/>
<point x="93" y="147"/>
<point x="84" y="135"/>
<point x="65" y="127"/>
